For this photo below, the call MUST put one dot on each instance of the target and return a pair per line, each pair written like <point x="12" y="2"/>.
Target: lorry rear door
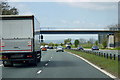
<point x="16" y="45"/>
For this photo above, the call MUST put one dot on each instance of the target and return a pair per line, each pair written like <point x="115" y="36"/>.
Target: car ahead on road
<point x="55" y="47"/>
<point x="95" y="48"/>
<point x="41" y="47"/>
<point x="50" y="47"/>
<point x="59" y="48"/>
<point x="44" y="49"/>
<point x="80" y="48"/>
<point x="46" y="46"/>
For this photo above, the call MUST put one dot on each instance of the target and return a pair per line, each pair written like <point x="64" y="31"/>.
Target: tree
<point x="67" y="41"/>
<point x="6" y="9"/>
<point x="51" y="44"/>
<point x="42" y="43"/>
<point x="55" y="44"/>
<point x="76" y="42"/>
<point x="61" y="44"/>
<point x="104" y="41"/>
<point x="88" y="42"/>
<point x="96" y="43"/>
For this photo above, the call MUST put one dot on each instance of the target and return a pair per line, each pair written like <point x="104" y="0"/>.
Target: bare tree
<point x="6" y="9"/>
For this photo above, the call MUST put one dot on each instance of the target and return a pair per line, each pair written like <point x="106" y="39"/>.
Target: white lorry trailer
<point x="19" y="42"/>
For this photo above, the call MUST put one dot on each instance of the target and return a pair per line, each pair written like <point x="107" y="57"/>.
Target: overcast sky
<point x="71" y="14"/>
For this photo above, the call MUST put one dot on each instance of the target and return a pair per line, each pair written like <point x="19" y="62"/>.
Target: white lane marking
<point x="51" y="57"/>
<point x="46" y="64"/>
<point x="107" y="73"/>
<point x="1" y="64"/>
<point x="49" y="60"/>
<point x="39" y="71"/>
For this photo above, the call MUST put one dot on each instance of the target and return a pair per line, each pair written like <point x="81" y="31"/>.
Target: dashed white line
<point x="51" y="57"/>
<point x="49" y="60"/>
<point x="46" y="64"/>
<point x="39" y="71"/>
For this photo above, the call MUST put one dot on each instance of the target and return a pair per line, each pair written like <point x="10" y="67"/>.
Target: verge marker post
<point x="110" y="56"/>
<point x="107" y="55"/>
<point x="114" y="56"/>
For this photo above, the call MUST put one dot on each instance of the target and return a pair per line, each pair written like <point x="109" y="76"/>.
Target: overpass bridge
<point x="75" y="31"/>
<point x="110" y="34"/>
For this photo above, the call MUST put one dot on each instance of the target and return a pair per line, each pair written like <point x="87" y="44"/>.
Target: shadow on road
<point x="50" y="64"/>
<point x="40" y="64"/>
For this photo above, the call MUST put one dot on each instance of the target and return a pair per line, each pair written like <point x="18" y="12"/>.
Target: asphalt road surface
<point x="54" y="65"/>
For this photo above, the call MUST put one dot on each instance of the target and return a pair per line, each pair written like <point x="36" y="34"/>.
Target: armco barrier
<point x="101" y="54"/>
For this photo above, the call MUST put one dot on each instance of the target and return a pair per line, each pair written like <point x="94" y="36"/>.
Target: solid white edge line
<point x="46" y="64"/>
<point x="107" y="73"/>
<point x="39" y="71"/>
<point x="1" y="64"/>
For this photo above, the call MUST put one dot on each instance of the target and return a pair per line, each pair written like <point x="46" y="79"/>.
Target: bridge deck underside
<point x="74" y="32"/>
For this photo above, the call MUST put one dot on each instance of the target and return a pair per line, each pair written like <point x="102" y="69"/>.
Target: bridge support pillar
<point x="41" y="38"/>
<point x="110" y="41"/>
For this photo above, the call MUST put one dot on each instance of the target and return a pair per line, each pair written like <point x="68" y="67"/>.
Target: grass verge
<point x="104" y="63"/>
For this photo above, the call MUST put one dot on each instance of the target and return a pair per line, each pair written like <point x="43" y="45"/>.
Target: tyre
<point x="39" y="59"/>
<point x="34" y="64"/>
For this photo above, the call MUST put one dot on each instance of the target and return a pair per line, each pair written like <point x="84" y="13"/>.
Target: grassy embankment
<point x="104" y="63"/>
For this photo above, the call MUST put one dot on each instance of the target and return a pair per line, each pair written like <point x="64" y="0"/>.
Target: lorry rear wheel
<point x="35" y="64"/>
<point x="38" y="60"/>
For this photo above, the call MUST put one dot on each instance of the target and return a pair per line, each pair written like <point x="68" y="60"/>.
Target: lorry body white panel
<point x="18" y="32"/>
<point x="20" y="44"/>
<point x="17" y="45"/>
<point x="17" y="29"/>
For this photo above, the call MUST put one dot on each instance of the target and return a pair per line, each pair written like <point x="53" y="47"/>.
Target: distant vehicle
<point x="44" y="49"/>
<point x="50" y="47"/>
<point x="80" y="48"/>
<point x="95" y="48"/>
<point x="41" y="47"/>
<point x="60" y="48"/>
<point x="55" y="47"/>
<point x="46" y="46"/>
<point x="20" y="42"/>
<point x="68" y="46"/>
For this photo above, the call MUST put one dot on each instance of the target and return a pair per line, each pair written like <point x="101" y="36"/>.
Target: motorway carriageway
<point x="55" y="65"/>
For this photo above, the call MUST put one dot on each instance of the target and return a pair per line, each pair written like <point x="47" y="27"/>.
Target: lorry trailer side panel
<point x="19" y="41"/>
